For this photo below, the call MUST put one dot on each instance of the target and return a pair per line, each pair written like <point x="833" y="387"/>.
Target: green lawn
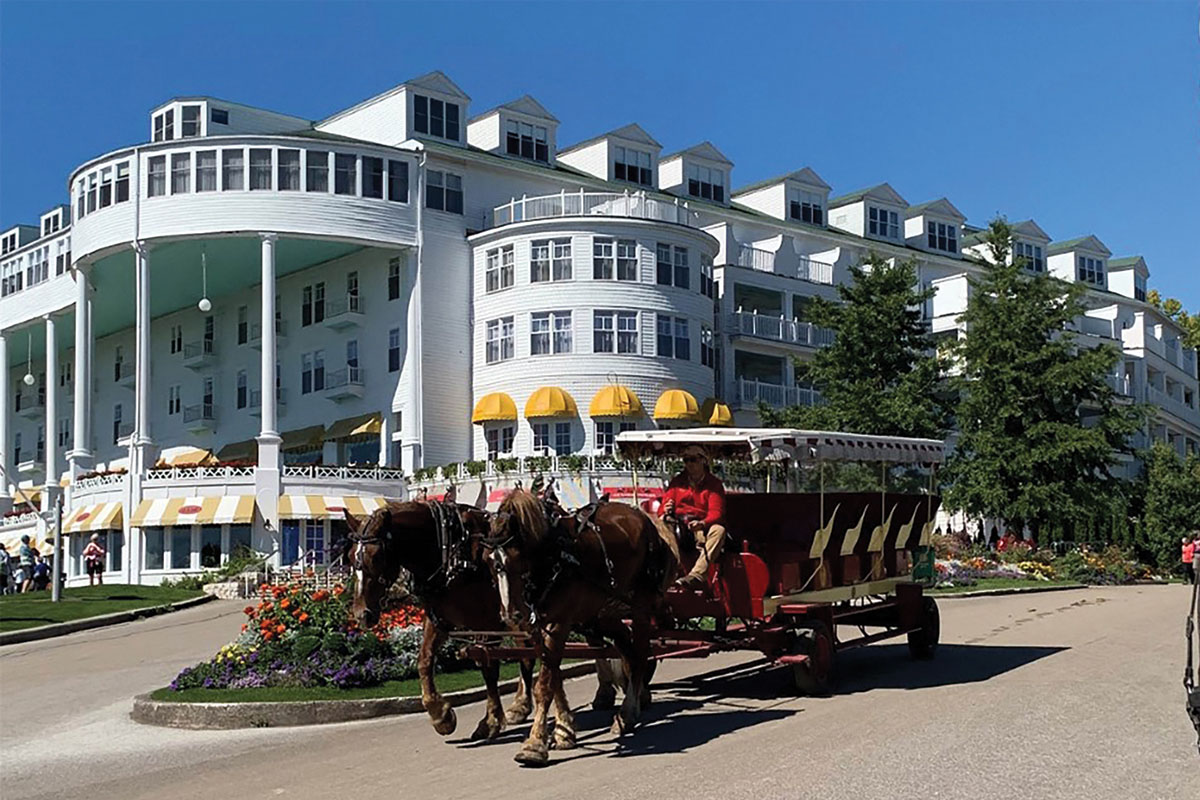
<point x="34" y="609"/>
<point x="449" y="682"/>
<point x="984" y="584"/>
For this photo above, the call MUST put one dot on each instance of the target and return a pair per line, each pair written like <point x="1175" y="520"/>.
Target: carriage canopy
<point x="757" y="444"/>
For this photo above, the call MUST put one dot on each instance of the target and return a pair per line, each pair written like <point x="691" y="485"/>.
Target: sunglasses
<point x="692" y="459"/>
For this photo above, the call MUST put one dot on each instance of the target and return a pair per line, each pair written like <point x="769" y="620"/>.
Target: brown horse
<point x="439" y="544"/>
<point x="588" y="571"/>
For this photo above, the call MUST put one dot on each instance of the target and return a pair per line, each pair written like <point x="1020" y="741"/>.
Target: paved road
<point x="1062" y="695"/>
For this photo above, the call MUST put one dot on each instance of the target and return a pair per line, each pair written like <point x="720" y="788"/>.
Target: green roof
<point x="1068" y="245"/>
<point x="853" y="197"/>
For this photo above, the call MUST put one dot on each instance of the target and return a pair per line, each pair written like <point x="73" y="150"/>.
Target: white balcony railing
<point x="338" y="306"/>
<point x="1120" y="384"/>
<point x="28" y="518"/>
<point x="1170" y="403"/>
<point x="776" y="328"/>
<point x="753" y="392"/>
<point x="1095" y="326"/>
<point x="29" y="403"/>
<point x="637" y="205"/>
<point x="323" y="472"/>
<point x="803" y="268"/>
<point x="97" y="482"/>
<point x="256" y="332"/>
<point x="201" y="412"/>
<point x="175" y="475"/>
<point x="347" y="376"/>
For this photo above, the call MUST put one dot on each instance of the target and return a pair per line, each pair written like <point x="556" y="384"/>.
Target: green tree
<point x="881" y="374"/>
<point x="1038" y="425"/>
<point x="1172" y="488"/>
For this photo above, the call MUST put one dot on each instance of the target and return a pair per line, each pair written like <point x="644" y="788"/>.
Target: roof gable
<point x="437" y="81"/>
<point x="883" y="192"/>
<point x="805" y="175"/>
<point x="1136" y="263"/>
<point x="1089" y="243"/>
<point x="630" y="133"/>
<point x="940" y="207"/>
<point x="1029" y="229"/>
<point x="706" y="150"/>
<point x="527" y="105"/>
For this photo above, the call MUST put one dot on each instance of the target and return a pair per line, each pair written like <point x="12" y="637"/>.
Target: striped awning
<point x="231" y="509"/>
<point x="303" y="438"/>
<point x="239" y="451"/>
<point x="98" y="517"/>
<point x="319" y="506"/>
<point x="186" y="456"/>
<point x="355" y="426"/>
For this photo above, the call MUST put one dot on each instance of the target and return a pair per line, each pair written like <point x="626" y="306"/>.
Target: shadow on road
<point x="891" y="667"/>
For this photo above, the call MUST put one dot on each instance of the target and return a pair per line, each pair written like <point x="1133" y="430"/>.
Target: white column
<point x="141" y="418"/>
<point x="80" y="455"/>
<point x="51" y="489"/>
<point x="267" y="478"/>
<point x="5" y="497"/>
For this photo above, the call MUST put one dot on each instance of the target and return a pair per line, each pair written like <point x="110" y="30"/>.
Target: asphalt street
<point x="1060" y="695"/>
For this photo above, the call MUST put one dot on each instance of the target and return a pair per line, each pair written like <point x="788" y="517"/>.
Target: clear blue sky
<point x="1080" y="115"/>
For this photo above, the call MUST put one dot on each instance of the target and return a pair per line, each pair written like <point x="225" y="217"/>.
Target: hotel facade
<point x="236" y="329"/>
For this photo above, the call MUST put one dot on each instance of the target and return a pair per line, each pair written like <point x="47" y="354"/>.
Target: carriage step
<point x="792" y="659"/>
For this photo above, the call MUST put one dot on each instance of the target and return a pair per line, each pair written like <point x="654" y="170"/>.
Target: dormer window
<point x="164" y="126"/>
<point x="706" y="183"/>
<point x="942" y="236"/>
<point x="632" y="166"/>
<point x="190" y="121"/>
<point x="1139" y="288"/>
<point x="219" y="116"/>
<point x="528" y="141"/>
<point x="1090" y="270"/>
<point x="806" y="207"/>
<point x="435" y="117"/>
<point x="1032" y="255"/>
<point x="882" y="222"/>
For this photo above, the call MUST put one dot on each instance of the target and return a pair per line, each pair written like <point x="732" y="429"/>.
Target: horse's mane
<point x="530" y="514"/>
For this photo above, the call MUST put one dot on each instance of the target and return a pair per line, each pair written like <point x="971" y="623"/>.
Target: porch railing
<point x="778" y="328"/>
<point x="638" y="205"/>
<point x="753" y="392"/>
<point x="805" y="268"/>
<point x="322" y="472"/>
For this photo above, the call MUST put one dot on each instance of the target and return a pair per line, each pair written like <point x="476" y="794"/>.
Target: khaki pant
<point x="710" y="543"/>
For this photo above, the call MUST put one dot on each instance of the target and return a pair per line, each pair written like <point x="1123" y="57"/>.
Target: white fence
<point x="804" y="268"/>
<point x="638" y="205"/>
<point x="752" y="392"/>
<point x="779" y="329"/>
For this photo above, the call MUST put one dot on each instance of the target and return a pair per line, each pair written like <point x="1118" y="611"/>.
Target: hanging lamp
<point x="205" y="304"/>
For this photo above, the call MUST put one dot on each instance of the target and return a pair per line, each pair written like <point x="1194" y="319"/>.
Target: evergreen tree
<point x="1038" y="425"/>
<point x="881" y="374"/>
<point x="1172" y="488"/>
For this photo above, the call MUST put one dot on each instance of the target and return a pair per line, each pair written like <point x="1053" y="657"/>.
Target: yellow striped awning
<point x="494" y="407"/>
<point x="355" y="426"/>
<point x="317" y="506"/>
<point x="186" y="457"/>
<point x="29" y="495"/>
<point x="616" y="401"/>
<point x="239" y="451"/>
<point x="716" y="413"/>
<point x="303" y="438"/>
<point x="183" y="511"/>
<point x="550" y="401"/>
<point x="98" y="517"/>
<point x="676" y="404"/>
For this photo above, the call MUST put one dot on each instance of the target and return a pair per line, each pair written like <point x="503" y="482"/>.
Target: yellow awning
<point x="239" y="451"/>
<point x="315" y="506"/>
<point x="494" y="407"/>
<point x="28" y="495"/>
<point x="616" y="401"/>
<point x="676" y="404"/>
<point x="183" y="511"/>
<point x="303" y="438"/>
<point x="65" y="480"/>
<point x="355" y="426"/>
<point x="186" y="457"/>
<point x="43" y="546"/>
<point x="716" y="413"/>
<point x="550" y="401"/>
<point x="98" y="517"/>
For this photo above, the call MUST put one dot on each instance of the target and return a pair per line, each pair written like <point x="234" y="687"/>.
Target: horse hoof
<point x="516" y="715"/>
<point x="486" y="729"/>
<point x="446" y="725"/>
<point x="604" y="699"/>
<point x="533" y="755"/>
<point x="564" y="740"/>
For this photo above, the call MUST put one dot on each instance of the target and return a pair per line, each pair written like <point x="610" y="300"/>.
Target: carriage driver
<point x="696" y="498"/>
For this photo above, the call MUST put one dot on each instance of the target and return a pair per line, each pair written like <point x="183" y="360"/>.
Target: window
<point x="210" y="546"/>
<point x="397" y="179"/>
<point x="312" y="304"/>
<point x="122" y="182"/>
<point x="1090" y="270"/>
<point x="499" y="440"/>
<point x="614" y="332"/>
<point x="156" y="178"/>
<point x="209" y="333"/>
<point x="153" y="538"/>
<point x="41" y="443"/>
<point x="312" y="372"/>
<point x="632" y="166"/>
<point x="176" y="339"/>
<point x="443" y="191"/>
<point x="242" y="389"/>
<point x="550" y="260"/>
<point x="561" y="442"/>
<point x="17" y="445"/>
<point x="602" y="259"/>
<point x="63" y="436"/>
<point x="683" y="276"/>
<point x="541" y="437"/>
<point x="1139" y="288"/>
<point x="562" y="332"/>
<point x="881" y="222"/>
<point x="806" y="207"/>
<point x="181" y="547"/>
<point x="539" y="261"/>
<point x="317" y="170"/>
<point x="189" y="119"/>
<point x="1032" y="254"/>
<point x="663" y="265"/>
<point x="233" y="169"/>
<point x="174" y="399"/>
<point x="158" y="128"/>
<point x="372" y="177"/>
<point x="708" y="286"/>
<point x="393" y="279"/>
<point x="352" y="355"/>
<point x="314" y="541"/>
<point x="435" y="117"/>
<point x="708" y="353"/>
<point x="541" y="325"/>
<point x="527" y="141"/>
<point x="673" y="341"/>
<point x="394" y="350"/>
<point x="942" y="236"/>
<point x="627" y="260"/>
<point x="500" y="340"/>
<point x="169" y="124"/>
<point x="219" y="116"/>
<point x="116" y="429"/>
<point x="352" y="289"/>
<point x="500" y="269"/>
<point x="239" y="541"/>
<point x="288" y="170"/>
<point x="64" y="372"/>
<point x="106" y="187"/>
<point x="561" y="252"/>
<point x="206" y="171"/>
<point x="606" y="433"/>
<point x="706" y="183"/>
<point x="260" y="168"/>
<point x="243" y="324"/>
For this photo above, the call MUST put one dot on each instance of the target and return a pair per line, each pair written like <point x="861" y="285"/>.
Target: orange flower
<point x="320" y="595"/>
<point x="303" y="616"/>
<point x="338" y="590"/>
<point x="280" y="628"/>
<point x="284" y="603"/>
<point x="248" y="610"/>
<point x="268" y="635"/>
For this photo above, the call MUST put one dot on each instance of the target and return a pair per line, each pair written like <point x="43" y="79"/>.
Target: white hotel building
<point x="319" y="308"/>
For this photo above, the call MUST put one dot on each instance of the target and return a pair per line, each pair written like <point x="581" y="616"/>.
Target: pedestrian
<point x="25" y="558"/>
<point x="93" y="556"/>
<point x="1187" y="546"/>
<point x="41" y="574"/>
<point x="5" y="569"/>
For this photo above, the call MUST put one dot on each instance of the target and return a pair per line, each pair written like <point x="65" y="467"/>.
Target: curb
<point x="226" y="716"/>
<point x="1010" y="590"/>
<point x="102" y="621"/>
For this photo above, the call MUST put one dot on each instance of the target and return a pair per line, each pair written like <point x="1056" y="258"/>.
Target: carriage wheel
<point x="815" y="676"/>
<point x="923" y="642"/>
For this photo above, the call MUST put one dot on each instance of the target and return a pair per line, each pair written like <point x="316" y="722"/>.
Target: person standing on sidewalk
<point x="93" y="557"/>
<point x="1188" y="549"/>
<point x="25" y="558"/>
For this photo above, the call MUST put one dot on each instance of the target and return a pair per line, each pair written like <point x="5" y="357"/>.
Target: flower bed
<point x="302" y="639"/>
<point x="960" y="565"/>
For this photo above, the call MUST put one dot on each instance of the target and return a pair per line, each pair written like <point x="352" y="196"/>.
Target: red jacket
<point x="1189" y="551"/>
<point x="706" y="501"/>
